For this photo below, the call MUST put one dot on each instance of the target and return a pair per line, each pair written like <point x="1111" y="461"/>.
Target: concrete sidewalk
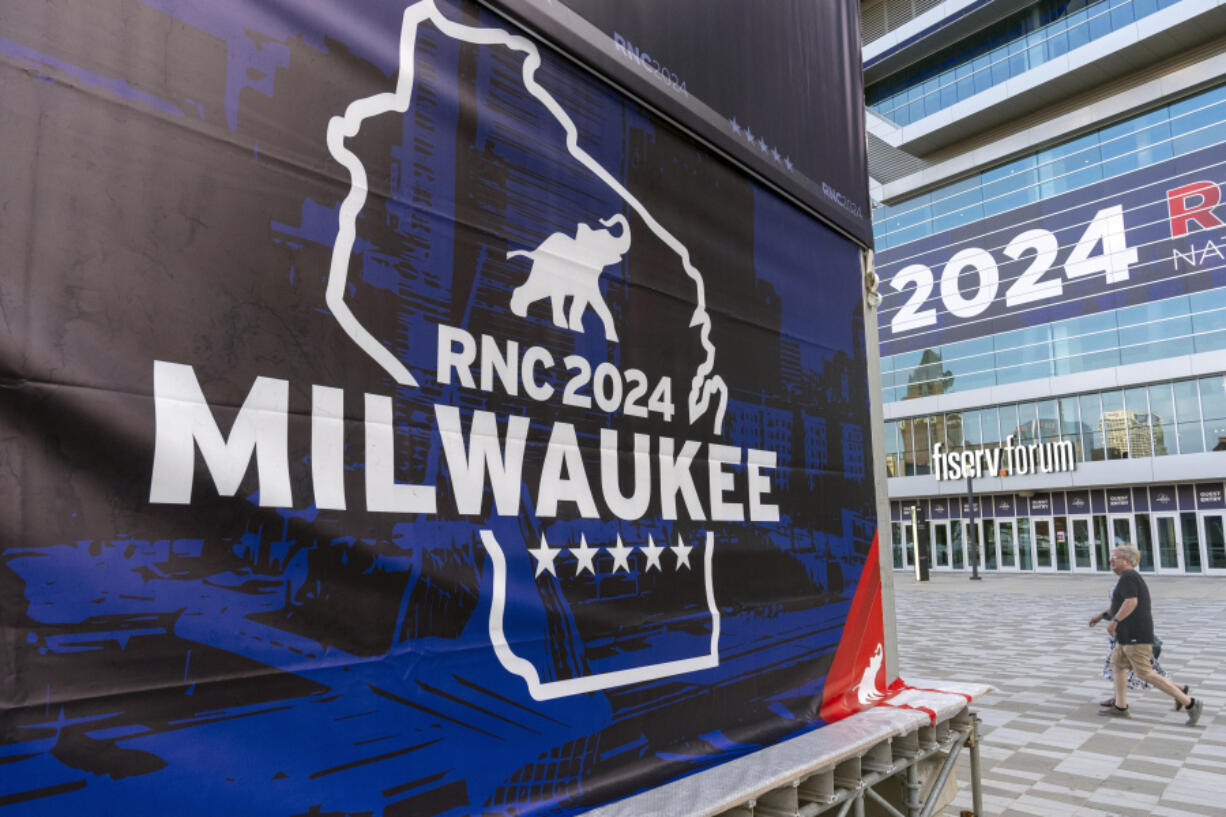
<point x="1046" y="750"/>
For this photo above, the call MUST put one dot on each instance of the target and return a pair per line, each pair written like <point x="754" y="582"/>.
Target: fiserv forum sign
<point x="1003" y="460"/>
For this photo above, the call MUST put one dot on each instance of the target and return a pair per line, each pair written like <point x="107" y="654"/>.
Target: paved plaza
<point x="1046" y="750"/>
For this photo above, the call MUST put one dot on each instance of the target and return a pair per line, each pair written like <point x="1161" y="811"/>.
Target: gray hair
<point x="1130" y="553"/>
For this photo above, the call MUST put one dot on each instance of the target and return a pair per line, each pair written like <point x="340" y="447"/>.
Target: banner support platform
<point x="900" y="757"/>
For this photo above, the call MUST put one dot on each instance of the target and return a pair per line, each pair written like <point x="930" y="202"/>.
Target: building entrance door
<point x="1213" y="528"/>
<point x="1189" y="532"/>
<point x="1083" y="553"/>
<point x="1170" y="553"/>
<point x="1044" y="551"/>
<point x="940" y="545"/>
<point x="1122" y="532"/>
<point x="1060" y="528"/>
<point x="973" y="539"/>
<point x="1006" y="544"/>
<point x="987" y="529"/>
<point x="957" y="553"/>
<point x="1142" y="529"/>
<point x="908" y="544"/>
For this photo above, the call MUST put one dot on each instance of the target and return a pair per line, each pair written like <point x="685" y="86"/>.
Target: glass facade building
<point x="1068" y="290"/>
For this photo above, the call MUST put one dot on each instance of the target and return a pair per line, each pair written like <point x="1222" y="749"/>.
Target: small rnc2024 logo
<point x="564" y="270"/>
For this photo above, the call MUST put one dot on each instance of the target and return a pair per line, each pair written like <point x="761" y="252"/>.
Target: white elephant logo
<point x="569" y="267"/>
<point x="866" y="690"/>
<point x="707" y="390"/>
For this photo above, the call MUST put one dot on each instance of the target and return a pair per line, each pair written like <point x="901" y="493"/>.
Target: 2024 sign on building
<point x="406" y="423"/>
<point x="1135" y="238"/>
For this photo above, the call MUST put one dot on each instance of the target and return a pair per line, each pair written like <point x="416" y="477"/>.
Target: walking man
<point x="1132" y="626"/>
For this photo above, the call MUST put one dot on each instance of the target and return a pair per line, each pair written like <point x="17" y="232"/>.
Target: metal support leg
<point x="972" y="741"/>
<point x="913" y="790"/>
<point x="938" y="784"/>
<point x="859" y="801"/>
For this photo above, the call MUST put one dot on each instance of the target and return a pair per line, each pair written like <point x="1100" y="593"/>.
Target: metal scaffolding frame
<point x="843" y="789"/>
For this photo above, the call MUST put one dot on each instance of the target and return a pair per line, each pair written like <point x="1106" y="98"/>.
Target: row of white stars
<point x="760" y="143"/>
<point x="545" y="555"/>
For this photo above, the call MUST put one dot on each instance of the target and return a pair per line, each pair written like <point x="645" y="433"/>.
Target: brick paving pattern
<point x="1046" y="751"/>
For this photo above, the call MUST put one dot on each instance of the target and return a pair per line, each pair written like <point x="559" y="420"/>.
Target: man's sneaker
<point x="1194" y="710"/>
<point x="1115" y="712"/>
<point x="1107" y="703"/>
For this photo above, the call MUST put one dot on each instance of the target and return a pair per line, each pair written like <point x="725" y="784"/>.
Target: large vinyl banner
<point x="396" y="420"/>
<point x="778" y="84"/>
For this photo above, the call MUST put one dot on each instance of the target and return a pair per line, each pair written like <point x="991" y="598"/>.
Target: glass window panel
<point x="1155" y="330"/>
<point x="1211" y="299"/>
<point x="1070" y="165"/>
<point x="1023" y="371"/>
<point x="953" y="431"/>
<point x="1136" y="405"/>
<point x="975" y="381"/>
<point x="1023" y="355"/>
<point x="971" y="433"/>
<point x="1022" y="337"/>
<point x="1092" y="440"/>
<point x="936" y="423"/>
<point x="1171" y="338"/>
<point x="1027" y="424"/>
<point x="1010" y="186"/>
<point x="1070" y="424"/>
<point x="909" y="221"/>
<point x="891" y="450"/>
<point x="922" y="431"/>
<point x="1187" y="402"/>
<point x="1087" y="361"/>
<point x="1049" y="421"/>
<point x="1099" y="20"/>
<point x="1078" y="31"/>
<point x="1121" y="15"/>
<point x="990" y="423"/>
<point x="958" y="204"/>
<point x="1194" y="121"/>
<point x="964" y="367"/>
<point x="1141" y="148"/>
<point x="906" y="433"/>
<point x="1153" y="311"/>
<point x="1114" y="425"/>
<point x="1161" y="403"/>
<point x="930" y="377"/>
<point x="1162" y="419"/>
<point x="1191" y="437"/>
<point x="1144" y="7"/>
<point x="1008" y="422"/>
<point x="1215" y="435"/>
<point x="1213" y="397"/>
<point x="1207" y="337"/>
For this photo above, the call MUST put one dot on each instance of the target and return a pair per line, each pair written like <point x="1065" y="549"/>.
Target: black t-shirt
<point x="1138" y="626"/>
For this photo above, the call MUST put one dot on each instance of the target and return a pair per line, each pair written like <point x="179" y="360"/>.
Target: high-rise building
<point x="1051" y="240"/>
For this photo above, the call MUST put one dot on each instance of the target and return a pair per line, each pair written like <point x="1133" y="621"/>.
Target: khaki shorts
<point x="1135" y="657"/>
